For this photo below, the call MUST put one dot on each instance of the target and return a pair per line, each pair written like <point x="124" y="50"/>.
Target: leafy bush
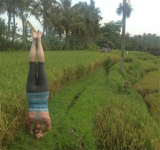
<point x="108" y="66"/>
<point x="93" y="47"/>
<point x="127" y="59"/>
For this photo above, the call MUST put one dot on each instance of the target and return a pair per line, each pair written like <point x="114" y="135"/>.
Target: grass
<point x="63" y="67"/>
<point x="91" y="113"/>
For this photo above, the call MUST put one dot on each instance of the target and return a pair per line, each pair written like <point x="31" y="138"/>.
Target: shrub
<point x="128" y="60"/>
<point x="93" y="47"/>
<point x="108" y="66"/>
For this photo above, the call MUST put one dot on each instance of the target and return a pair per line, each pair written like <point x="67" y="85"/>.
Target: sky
<point x="145" y="17"/>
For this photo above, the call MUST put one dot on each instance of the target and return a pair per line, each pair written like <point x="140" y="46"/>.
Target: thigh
<point x="32" y="89"/>
<point x="43" y="82"/>
<point x="32" y="78"/>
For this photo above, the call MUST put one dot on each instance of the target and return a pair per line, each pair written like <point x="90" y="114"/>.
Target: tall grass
<point x="126" y="121"/>
<point x="105" y="116"/>
<point x="149" y="88"/>
<point x="62" y="68"/>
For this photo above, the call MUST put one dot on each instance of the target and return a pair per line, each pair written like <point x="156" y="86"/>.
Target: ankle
<point x="34" y="41"/>
<point x="39" y="39"/>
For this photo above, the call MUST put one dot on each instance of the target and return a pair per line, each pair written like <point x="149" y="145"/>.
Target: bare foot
<point x="34" y="35"/>
<point x="39" y="35"/>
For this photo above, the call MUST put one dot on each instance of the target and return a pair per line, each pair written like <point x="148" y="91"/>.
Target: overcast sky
<point x="145" y="17"/>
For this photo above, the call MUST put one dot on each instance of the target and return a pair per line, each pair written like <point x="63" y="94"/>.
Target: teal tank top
<point x="38" y="101"/>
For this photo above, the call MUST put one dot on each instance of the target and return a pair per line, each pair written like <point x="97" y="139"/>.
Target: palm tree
<point x="11" y="8"/>
<point x="6" y="6"/>
<point x="96" y="17"/>
<point x="126" y="9"/>
<point x="69" y="19"/>
<point x="23" y="13"/>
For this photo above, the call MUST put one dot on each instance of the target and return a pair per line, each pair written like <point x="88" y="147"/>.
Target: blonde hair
<point x="38" y="130"/>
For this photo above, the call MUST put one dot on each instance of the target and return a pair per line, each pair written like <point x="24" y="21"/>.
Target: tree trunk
<point x="60" y="36"/>
<point x="23" y="34"/>
<point x="123" y="39"/>
<point x="74" y="40"/>
<point x="67" y="40"/>
<point x="14" y="28"/>
<point x="9" y="22"/>
<point x="43" y="30"/>
<point x="46" y="36"/>
<point x="23" y="28"/>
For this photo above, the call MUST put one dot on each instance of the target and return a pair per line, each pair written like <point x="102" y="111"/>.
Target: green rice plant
<point x="123" y="125"/>
<point x="108" y="66"/>
<point x="65" y="67"/>
<point x="149" y="84"/>
<point x="154" y="105"/>
<point x="149" y="88"/>
<point x="61" y="68"/>
<point x="128" y="59"/>
<point x="121" y="120"/>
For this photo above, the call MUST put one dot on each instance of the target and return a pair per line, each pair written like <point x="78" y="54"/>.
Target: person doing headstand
<point x="37" y="90"/>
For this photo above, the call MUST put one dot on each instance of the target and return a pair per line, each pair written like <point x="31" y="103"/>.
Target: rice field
<point x="103" y="99"/>
<point x="62" y="67"/>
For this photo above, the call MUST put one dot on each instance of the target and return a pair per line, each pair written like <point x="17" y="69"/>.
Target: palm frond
<point x="129" y="10"/>
<point x="119" y="10"/>
<point x="3" y="8"/>
<point x="32" y="28"/>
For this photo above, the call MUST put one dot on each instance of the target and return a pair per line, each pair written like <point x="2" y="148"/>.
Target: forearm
<point x="48" y="128"/>
<point x="29" y="127"/>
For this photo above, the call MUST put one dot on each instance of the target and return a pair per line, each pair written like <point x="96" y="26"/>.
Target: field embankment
<point x="94" y="113"/>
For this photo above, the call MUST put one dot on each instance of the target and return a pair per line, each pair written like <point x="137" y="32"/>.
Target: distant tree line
<point x="145" y="43"/>
<point x="64" y="26"/>
<point x="111" y="34"/>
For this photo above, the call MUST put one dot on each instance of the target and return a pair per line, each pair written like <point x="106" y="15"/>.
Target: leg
<point x="32" y="75"/>
<point x="31" y="85"/>
<point x="40" y="52"/>
<point x="32" y="53"/>
<point x="43" y="82"/>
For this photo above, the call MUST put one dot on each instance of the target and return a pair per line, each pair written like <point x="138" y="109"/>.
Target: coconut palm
<point x="125" y="9"/>
<point x="23" y="13"/>
<point x="11" y="8"/>
<point x="6" y="6"/>
<point x="69" y="19"/>
<point x="96" y="17"/>
<point x="43" y="9"/>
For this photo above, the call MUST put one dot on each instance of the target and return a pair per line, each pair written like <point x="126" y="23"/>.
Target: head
<point x="38" y="129"/>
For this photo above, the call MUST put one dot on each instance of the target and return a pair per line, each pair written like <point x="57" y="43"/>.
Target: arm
<point x="48" y="128"/>
<point x="29" y="125"/>
<point x="48" y="125"/>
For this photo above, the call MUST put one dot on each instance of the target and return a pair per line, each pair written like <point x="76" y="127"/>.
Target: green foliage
<point x="93" y="47"/>
<point x="111" y="28"/>
<point x="108" y="66"/>
<point x="128" y="59"/>
<point x="3" y="27"/>
<point x="110" y="35"/>
<point x="52" y="43"/>
<point x="93" y="114"/>
<point x="62" y="68"/>
<point x="111" y="45"/>
<point x="101" y="41"/>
